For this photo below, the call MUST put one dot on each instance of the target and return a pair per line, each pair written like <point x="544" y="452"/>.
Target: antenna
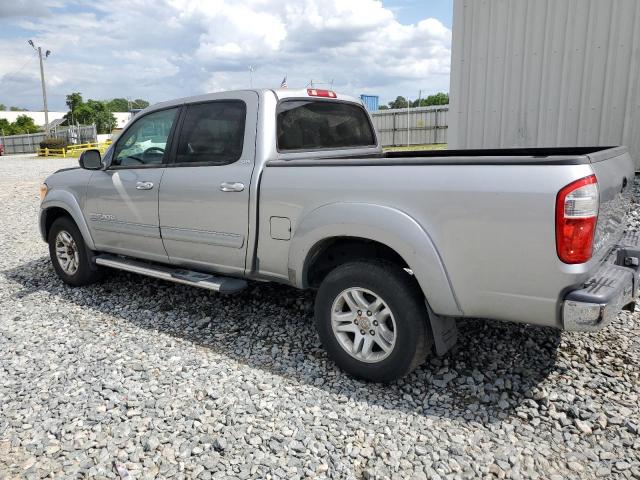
<point x="251" y="70"/>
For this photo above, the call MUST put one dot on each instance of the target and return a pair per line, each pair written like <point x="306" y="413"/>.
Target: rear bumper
<point x="611" y="288"/>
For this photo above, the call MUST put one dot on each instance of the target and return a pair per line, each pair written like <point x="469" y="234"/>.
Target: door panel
<point x="204" y="196"/>
<point x="122" y="218"/>
<point x="122" y="201"/>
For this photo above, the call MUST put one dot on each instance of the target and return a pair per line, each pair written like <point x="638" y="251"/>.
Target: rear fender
<point x="386" y="225"/>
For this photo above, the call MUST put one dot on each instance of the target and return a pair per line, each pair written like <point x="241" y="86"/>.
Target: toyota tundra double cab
<point x="292" y="186"/>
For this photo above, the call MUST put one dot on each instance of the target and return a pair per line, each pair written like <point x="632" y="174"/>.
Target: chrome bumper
<point x="613" y="287"/>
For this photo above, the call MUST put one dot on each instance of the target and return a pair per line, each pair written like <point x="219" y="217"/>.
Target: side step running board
<point x="186" y="277"/>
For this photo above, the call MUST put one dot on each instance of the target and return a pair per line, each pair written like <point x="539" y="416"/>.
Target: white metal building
<point x="38" y="117"/>
<point x="545" y="73"/>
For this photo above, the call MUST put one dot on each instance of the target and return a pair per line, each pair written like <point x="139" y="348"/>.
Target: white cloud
<point x="174" y="48"/>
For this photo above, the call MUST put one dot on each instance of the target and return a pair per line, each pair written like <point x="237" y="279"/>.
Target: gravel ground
<point x="160" y="380"/>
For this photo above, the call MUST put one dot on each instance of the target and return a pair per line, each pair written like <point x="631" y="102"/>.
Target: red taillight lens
<point x="313" y="92"/>
<point x="576" y="218"/>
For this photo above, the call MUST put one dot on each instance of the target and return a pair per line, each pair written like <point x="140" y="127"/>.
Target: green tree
<point x="74" y="100"/>
<point x="124" y="105"/>
<point x="2" y="107"/>
<point x="95" y="111"/>
<point x="383" y="107"/>
<point x="17" y="109"/>
<point x="91" y="111"/>
<point x="399" y="102"/>
<point x="5" y="127"/>
<point x="139" y="103"/>
<point x="23" y="124"/>
<point x="439" y="98"/>
<point x="118" y="105"/>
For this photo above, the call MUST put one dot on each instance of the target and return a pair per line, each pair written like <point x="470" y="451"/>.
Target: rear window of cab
<point x="317" y="125"/>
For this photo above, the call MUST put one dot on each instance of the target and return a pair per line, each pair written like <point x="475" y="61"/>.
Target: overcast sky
<point x="164" y="49"/>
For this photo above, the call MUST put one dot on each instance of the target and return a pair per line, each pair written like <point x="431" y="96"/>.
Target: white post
<point x="408" y="122"/>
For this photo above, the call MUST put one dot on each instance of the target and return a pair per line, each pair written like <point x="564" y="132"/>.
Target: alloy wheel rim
<point x="67" y="252"/>
<point x="363" y="324"/>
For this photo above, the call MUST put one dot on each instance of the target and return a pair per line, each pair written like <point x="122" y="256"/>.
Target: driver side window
<point x="145" y="142"/>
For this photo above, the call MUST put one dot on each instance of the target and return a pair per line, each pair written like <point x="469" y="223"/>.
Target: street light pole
<point x="44" y="88"/>
<point x="44" y="94"/>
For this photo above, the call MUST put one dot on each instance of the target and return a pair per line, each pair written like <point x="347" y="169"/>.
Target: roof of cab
<point x="280" y="93"/>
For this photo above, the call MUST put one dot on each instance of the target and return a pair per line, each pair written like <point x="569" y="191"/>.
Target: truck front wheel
<point x="69" y="255"/>
<point x="372" y="320"/>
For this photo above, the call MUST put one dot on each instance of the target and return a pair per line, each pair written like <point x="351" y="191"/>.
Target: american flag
<point x="284" y="82"/>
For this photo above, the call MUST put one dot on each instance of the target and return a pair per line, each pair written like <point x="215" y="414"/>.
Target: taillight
<point x="576" y="218"/>
<point x="313" y="92"/>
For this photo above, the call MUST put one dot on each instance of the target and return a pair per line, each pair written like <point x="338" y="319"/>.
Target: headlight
<point x="43" y="191"/>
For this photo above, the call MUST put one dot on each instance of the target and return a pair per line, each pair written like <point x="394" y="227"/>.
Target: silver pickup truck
<point x="292" y="186"/>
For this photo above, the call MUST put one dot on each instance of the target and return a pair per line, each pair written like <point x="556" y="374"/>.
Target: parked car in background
<point x="292" y="186"/>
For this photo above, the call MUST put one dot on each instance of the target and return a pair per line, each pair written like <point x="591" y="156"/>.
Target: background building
<point x="371" y="102"/>
<point x="545" y="73"/>
<point x="38" y="117"/>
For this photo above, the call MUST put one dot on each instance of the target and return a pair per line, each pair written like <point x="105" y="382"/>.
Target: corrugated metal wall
<point x="426" y="125"/>
<point x="545" y="73"/>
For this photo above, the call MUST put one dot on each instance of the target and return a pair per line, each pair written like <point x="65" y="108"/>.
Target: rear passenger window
<point x="315" y="124"/>
<point x="212" y="133"/>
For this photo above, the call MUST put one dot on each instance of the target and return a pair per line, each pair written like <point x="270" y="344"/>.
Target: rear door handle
<point x="232" y="186"/>
<point x="144" y="185"/>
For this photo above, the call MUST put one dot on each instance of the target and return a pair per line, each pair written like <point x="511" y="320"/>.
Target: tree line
<point x="80" y="112"/>
<point x="22" y="124"/>
<point x="99" y="112"/>
<point x="3" y="108"/>
<point x="439" y="98"/>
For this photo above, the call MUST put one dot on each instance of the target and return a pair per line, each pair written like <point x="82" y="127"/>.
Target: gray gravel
<point x="159" y="380"/>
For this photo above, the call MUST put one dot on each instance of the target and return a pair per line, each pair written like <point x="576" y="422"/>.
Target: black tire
<point x="402" y="295"/>
<point x="86" y="273"/>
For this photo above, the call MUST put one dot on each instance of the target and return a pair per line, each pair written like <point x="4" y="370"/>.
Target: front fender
<point x="383" y="224"/>
<point x="66" y="201"/>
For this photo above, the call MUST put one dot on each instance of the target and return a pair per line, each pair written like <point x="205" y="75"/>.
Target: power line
<point x="15" y="72"/>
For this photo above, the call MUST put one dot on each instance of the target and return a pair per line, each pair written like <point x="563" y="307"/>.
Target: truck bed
<point x="489" y="213"/>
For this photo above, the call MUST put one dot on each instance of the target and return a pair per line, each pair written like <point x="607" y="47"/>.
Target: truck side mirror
<point x="90" y="160"/>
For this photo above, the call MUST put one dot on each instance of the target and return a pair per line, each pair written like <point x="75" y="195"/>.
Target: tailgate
<point x="615" y="170"/>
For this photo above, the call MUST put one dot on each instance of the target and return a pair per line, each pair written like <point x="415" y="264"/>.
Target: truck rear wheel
<point x="372" y="320"/>
<point x="69" y="255"/>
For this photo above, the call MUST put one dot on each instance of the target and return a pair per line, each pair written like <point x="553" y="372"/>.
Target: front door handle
<point x="232" y="186"/>
<point x="144" y="185"/>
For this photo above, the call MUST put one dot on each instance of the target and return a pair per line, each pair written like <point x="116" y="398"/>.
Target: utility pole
<point x="44" y="88"/>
